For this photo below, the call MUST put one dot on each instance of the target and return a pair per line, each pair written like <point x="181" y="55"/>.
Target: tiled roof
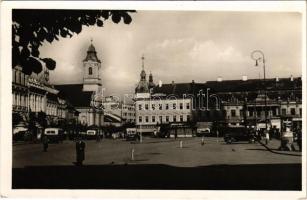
<point x="254" y="85"/>
<point x="74" y="94"/>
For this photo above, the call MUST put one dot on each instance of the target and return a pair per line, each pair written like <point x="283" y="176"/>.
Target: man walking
<point x="45" y="142"/>
<point x="80" y="152"/>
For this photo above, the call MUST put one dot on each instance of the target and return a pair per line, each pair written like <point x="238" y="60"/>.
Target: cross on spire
<point x="91" y="40"/>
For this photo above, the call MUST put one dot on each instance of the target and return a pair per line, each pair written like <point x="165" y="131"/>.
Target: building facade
<point x="118" y="113"/>
<point x="34" y="96"/>
<point x="87" y="96"/>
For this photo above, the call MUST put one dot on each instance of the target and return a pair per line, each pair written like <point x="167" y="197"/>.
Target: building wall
<point x="150" y="112"/>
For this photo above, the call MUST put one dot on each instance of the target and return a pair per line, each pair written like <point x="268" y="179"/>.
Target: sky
<point x="182" y="46"/>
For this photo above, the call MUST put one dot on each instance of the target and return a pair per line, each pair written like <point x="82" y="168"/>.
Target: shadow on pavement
<point x="276" y="151"/>
<point x="156" y="176"/>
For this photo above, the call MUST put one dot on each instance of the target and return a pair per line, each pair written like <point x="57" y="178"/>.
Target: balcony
<point x="20" y="108"/>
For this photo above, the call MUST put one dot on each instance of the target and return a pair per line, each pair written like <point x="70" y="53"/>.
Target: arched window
<point x="90" y="71"/>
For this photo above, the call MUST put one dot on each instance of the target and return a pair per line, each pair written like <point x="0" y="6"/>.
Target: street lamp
<point x="258" y="56"/>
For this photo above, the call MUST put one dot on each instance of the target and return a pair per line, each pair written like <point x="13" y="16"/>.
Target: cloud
<point x="73" y="73"/>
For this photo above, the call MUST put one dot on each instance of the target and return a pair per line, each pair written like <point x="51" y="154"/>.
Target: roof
<point x="91" y="54"/>
<point x="254" y="85"/>
<point x="179" y="89"/>
<point x="75" y="95"/>
<point x="236" y="89"/>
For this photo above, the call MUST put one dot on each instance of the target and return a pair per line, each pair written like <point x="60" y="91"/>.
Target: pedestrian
<point x="203" y="141"/>
<point x="176" y="133"/>
<point x="97" y="136"/>
<point x="80" y="151"/>
<point x="267" y="136"/>
<point x="45" y="141"/>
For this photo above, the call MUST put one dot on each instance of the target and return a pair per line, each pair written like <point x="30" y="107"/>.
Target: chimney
<point x="291" y="78"/>
<point x="193" y="82"/>
<point x="160" y="83"/>
<point x="219" y="79"/>
<point x="277" y="79"/>
<point x="173" y="82"/>
<point x="244" y="78"/>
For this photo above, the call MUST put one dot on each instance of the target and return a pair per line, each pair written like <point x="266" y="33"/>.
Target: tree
<point x="17" y="118"/>
<point x="30" y="28"/>
<point x="42" y="119"/>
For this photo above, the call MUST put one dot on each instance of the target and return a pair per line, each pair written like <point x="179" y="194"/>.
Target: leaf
<point x="25" y="53"/>
<point x="34" y="64"/>
<point x="127" y="19"/>
<point x="116" y="18"/>
<point x="35" y="52"/>
<point x="99" y="23"/>
<point x="50" y="63"/>
<point x="15" y="56"/>
<point x="63" y="33"/>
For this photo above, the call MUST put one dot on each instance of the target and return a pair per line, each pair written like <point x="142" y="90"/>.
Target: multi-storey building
<point x="232" y="101"/>
<point x="118" y="113"/>
<point x="87" y="96"/>
<point x="33" y="94"/>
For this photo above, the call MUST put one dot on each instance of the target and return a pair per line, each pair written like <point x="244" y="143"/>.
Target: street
<point x="158" y="164"/>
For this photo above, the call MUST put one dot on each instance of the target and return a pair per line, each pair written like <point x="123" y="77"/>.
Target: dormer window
<point x="90" y="71"/>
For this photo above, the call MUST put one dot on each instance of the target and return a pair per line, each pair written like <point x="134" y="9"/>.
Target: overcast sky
<point x="182" y="46"/>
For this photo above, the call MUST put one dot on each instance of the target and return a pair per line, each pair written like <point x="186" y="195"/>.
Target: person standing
<point x="80" y="152"/>
<point x="267" y="136"/>
<point x="45" y="142"/>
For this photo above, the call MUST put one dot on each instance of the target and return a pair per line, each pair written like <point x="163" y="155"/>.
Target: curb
<point x="277" y="152"/>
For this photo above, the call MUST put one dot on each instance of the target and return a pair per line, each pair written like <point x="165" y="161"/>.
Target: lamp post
<point x="258" y="56"/>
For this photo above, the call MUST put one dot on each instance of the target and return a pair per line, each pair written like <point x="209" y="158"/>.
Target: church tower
<point x="142" y="86"/>
<point x="151" y="82"/>
<point x="91" y="73"/>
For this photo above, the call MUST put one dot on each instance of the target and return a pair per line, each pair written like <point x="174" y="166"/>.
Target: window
<point x="167" y="118"/>
<point x="140" y="118"/>
<point x="166" y="106"/>
<point x="146" y="106"/>
<point x="181" y="106"/>
<point x="181" y="118"/>
<point x="274" y="112"/>
<point x="174" y="118"/>
<point x="283" y="111"/>
<point x="233" y="113"/>
<point x="153" y="106"/>
<point x="188" y="105"/>
<point x="174" y="106"/>
<point x="153" y="118"/>
<point x="90" y="71"/>
<point x="140" y="106"/>
<point x="300" y="112"/>
<point x="188" y="118"/>
<point x="146" y="119"/>
<point x="292" y="111"/>
<point x="13" y="75"/>
<point x="160" y="119"/>
<point x="160" y="106"/>
<point x="241" y="112"/>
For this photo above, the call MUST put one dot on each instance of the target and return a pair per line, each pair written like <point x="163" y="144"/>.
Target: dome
<point x="91" y="48"/>
<point x="91" y="54"/>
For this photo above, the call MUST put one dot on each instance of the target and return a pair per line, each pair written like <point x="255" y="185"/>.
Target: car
<point x="91" y="134"/>
<point x="235" y="134"/>
<point x="131" y="134"/>
<point x="54" y="134"/>
<point x="203" y="132"/>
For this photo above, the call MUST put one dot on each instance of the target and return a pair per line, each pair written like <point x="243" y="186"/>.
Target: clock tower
<point x="91" y="73"/>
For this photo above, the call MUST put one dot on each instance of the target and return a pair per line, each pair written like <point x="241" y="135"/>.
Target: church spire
<point x="143" y="58"/>
<point x="143" y="73"/>
<point x="91" y="53"/>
